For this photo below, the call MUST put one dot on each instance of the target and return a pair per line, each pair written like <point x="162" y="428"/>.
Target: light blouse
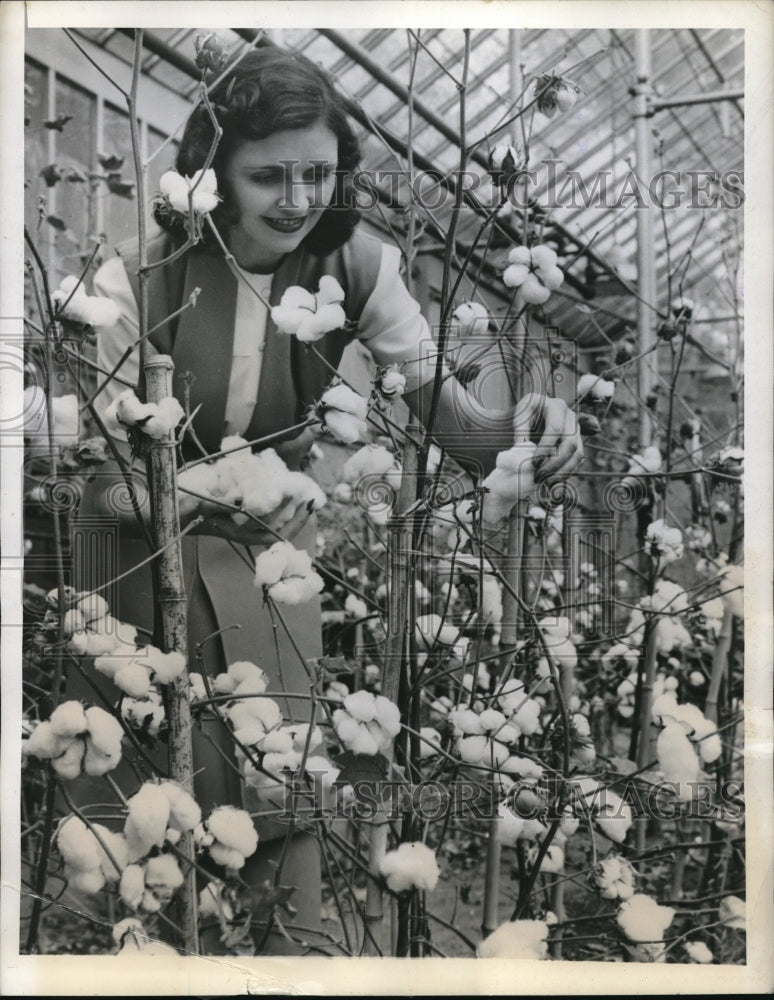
<point x="391" y="326"/>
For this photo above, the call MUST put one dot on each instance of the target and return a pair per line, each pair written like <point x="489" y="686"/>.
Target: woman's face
<point x="280" y="186"/>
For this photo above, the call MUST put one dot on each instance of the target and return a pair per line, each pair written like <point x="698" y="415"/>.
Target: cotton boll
<point x="119" y="852"/>
<point x="598" y="388"/>
<point x="466" y="721"/>
<point x="297" y="590"/>
<point x="372" y="460"/>
<point x="363" y="741"/>
<point x="105" y="731"/>
<point x="228" y="857"/>
<point x="522" y="939"/>
<point x="732" y="912"/>
<point x="133" y="678"/>
<point x="527" y="770"/>
<point x="265" y="710"/>
<point x="473" y="749"/>
<point x="698" y="952"/>
<point x="89" y="882"/>
<point x="515" y="275"/>
<point x="184" y="811"/>
<point x="552" y="277"/>
<point x="147" y="820"/>
<point x="430" y="743"/>
<point x="73" y="621"/>
<point x="411" y="866"/>
<point x="298" y="732"/>
<point x="276" y="742"/>
<point x="532" y="291"/>
<point x="387" y="714"/>
<point x="69" y="764"/>
<point x="614" y="817"/>
<point x="163" y="876"/>
<point x="491" y="720"/>
<point x="68" y="719"/>
<point x="355" y="607"/>
<point x="212" y="903"/>
<point x="677" y="760"/>
<point x="77" y="844"/>
<point x="132" y="886"/>
<point x="553" y="860"/>
<point x="165" y="666"/>
<point x="44" y="742"/>
<point x="642" y="919"/>
<point x="223" y="684"/>
<point x="233" y="828"/>
<point x="344" y="426"/>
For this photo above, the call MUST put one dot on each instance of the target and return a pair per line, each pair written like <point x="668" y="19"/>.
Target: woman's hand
<point x="559" y="450"/>
<point x="283" y="523"/>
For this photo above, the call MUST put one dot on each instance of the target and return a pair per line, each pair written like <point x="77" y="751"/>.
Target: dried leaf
<point x="109" y="161"/>
<point x="123" y="189"/>
<point x="57" y="123"/>
<point x="56" y="222"/>
<point x="51" y="174"/>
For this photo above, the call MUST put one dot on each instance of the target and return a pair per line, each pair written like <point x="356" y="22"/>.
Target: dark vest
<point x="200" y="340"/>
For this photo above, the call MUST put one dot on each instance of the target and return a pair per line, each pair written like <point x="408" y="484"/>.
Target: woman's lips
<point x="286" y="225"/>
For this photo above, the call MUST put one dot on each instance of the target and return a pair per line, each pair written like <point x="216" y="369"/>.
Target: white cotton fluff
<point x="184" y="811"/>
<point x="132" y="886"/>
<point x="93" y="310"/>
<point x="343" y="413"/>
<point x="430" y="743"/>
<point x="147" y="820"/>
<point x="176" y="189"/>
<point x="614" y="817"/>
<point x="44" y="742"/>
<point x="732" y="912"/>
<point x="598" y="388"/>
<point x="614" y="877"/>
<point x="93" y="608"/>
<point x="511" y="827"/>
<point x="641" y="918"/>
<point x="411" y="866"/>
<point x="146" y="713"/>
<point x="68" y="719"/>
<point x="235" y="837"/>
<point x="355" y="607"/>
<point x="111" y="865"/>
<point x="553" y="860"/>
<point x="133" y="678"/>
<point x="527" y="770"/>
<point x="69" y="764"/>
<point x="165" y="667"/>
<point x="430" y="630"/>
<point x="678" y="761"/>
<point x="309" y="316"/>
<point x="732" y="589"/>
<point x="513" y="477"/>
<point x="163" y="876"/>
<point x="516" y="939"/>
<point x="77" y="844"/>
<point x="371" y="460"/>
<point x="167" y="416"/>
<point x="287" y="574"/>
<point x="698" y="952"/>
<point x="472" y="318"/>
<point x="663" y="542"/>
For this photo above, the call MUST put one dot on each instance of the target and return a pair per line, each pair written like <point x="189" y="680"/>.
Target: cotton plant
<point x="258" y="483"/>
<point x="64" y="415"/>
<point x="157" y="813"/>
<point x="228" y="835"/>
<point x="599" y="389"/>
<point x="93" y="855"/>
<point x="156" y="420"/>
<point x="534" y="273"/>
<point x="77" y="741"/>
<point x="512" y="479"/>
<point x="73" y="303"/>
<point x="412" y="865"/>
<point x="309" y="316"/>
<point x="343" y="412"/>
<point x="520" y="939"/>
<point x="148" y="886"/>
<point x="366" y="723"/>
<point x="643" y="920"/>
<point x="135" y="671"/>
<point x="663" y="544"/>
<point x="614" y="877"/>
<point x="286" y="574"/>
<point x="183" y="194"/>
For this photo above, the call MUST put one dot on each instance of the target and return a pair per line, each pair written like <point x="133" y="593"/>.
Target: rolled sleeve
<point x="393" y="328"/>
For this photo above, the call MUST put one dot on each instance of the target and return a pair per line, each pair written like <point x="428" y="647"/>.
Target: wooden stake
<point x="173" y="623"/>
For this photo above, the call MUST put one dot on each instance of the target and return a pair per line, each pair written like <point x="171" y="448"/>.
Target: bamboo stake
<point x="173" y="624"/>
<point x="719" y="661"/>
<point x="644" y="748"/>
<point x="399" y="592"/>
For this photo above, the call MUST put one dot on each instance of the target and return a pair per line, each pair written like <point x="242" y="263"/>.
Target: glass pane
<point x="75" y="204"/>
<point x="119" y="213"/>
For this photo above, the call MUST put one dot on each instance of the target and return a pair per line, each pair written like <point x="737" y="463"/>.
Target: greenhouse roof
<point x="596" y="139"/>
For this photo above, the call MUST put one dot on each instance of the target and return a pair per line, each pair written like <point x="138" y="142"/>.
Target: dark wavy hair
<point x="271" y="90"/>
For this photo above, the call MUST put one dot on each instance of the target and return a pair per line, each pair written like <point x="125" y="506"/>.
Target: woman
<point x="284" y="167"/>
